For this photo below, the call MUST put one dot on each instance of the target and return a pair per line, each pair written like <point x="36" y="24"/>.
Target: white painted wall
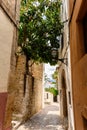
<point x="48" y="97"/>
<point x="6" y="37"/>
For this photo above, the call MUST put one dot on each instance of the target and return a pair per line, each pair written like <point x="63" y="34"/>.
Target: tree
<point x="52" y="90"/>
<point x="39" y="29"/>
<point x="55" y="75"/>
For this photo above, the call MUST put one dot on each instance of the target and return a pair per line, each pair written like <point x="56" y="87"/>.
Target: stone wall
<point x="38" y="77"/>
<point x="28" y="96"/>
<point x="19" y="83"/>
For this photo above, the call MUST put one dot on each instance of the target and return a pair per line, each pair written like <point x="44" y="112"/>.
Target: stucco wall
<point x="9" y="14"/>
<point x="78" y="65"/>
<point x="11" y="5"/>
<point x="6" y="38"/>
<point x="48" y="97"/>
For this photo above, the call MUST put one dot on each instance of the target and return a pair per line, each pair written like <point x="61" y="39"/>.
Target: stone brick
<point x="19" y="83"/>
<point x="28" y="100"/>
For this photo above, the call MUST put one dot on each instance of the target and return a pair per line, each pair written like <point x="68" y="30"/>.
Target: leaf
<point x="40" y="23"/>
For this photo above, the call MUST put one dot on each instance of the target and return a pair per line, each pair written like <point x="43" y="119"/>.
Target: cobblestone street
<point x="47" y="119"/>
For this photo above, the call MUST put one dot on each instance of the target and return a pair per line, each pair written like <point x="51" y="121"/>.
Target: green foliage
<point x="52" y="90"/>
<point x="40" y="27"/>
<point x="55" y="75"/>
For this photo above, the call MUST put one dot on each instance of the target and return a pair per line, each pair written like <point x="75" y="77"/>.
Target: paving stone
<point x="47" y="119"/>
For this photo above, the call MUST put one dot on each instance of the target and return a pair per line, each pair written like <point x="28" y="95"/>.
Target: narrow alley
<point x="47" y="119"/>
<point x="36" y="35"/>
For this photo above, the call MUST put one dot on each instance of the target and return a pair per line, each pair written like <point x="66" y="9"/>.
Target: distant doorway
<point x="55" y="98"/>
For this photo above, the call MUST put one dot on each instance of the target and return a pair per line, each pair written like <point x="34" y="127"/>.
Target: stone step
<point x="15" y="124"/>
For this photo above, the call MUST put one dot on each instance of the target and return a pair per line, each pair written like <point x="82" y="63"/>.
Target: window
<point x="69" y="96"/>
<point x="81" y="31"/>
<point x="47" y="95"/>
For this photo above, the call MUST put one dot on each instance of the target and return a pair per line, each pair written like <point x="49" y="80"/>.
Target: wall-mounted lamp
<point x="55" y="56"/>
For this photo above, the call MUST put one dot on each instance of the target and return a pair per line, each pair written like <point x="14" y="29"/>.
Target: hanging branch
<point x="43" y="27"/>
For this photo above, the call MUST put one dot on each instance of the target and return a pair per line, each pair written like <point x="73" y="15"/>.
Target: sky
<point x="49" y="70"/>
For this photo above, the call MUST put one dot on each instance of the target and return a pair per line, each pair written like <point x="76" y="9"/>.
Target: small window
<point x="69" y="96"/>
<point x="47" y="95"/>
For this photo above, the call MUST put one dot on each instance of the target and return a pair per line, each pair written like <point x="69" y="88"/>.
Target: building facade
<point x="9" y="17"/>
<point x="64" y="72"/>
<point x="48" y="97"/>
<point x="78" y="47"/>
